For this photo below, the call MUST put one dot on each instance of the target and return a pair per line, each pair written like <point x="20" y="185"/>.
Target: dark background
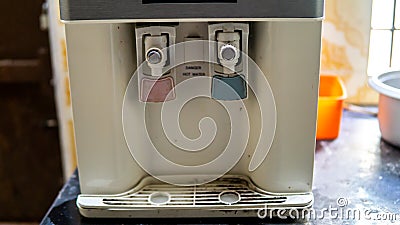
<point x="30" y="168"/>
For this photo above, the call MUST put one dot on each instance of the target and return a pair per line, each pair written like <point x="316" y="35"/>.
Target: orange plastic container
<point x="330" y="106"/>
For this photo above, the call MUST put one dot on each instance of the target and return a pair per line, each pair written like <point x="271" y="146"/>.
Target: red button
<point x="157" y="90"/>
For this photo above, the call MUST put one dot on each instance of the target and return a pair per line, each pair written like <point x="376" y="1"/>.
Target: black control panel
<point x="141" y="10"/>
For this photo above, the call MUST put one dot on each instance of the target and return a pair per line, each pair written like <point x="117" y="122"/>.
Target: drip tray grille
<point x="223" y="194"/>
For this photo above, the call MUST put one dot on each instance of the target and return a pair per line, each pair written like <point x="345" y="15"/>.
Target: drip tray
<point x="228" y="196"/>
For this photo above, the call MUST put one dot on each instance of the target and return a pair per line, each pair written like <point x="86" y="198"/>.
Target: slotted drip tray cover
<point x="229" y="193"/>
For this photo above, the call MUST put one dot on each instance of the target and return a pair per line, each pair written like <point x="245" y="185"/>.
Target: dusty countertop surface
<point x="357" y="181"/>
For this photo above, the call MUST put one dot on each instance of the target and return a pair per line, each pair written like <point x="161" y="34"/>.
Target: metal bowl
<point x="388" y="86"/>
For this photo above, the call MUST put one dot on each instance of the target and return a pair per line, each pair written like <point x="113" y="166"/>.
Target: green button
<point x="228" y="88"/>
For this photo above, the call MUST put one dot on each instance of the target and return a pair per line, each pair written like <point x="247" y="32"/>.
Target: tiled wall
<point x="62" y="90"/>
<point x="345" y="46"/>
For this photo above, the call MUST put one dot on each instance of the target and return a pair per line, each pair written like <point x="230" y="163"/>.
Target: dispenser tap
<point x="155" y="56"/>
<point x="228" y="50"/>
<point x="229" y="74"/>
<point x="229" y="57"/>
<point x="155" y="53"/>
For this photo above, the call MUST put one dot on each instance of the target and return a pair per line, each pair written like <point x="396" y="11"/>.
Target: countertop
<point x="356" y="181"/>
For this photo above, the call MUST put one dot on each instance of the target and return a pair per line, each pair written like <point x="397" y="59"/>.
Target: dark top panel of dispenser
<point x="171" y="9"/>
